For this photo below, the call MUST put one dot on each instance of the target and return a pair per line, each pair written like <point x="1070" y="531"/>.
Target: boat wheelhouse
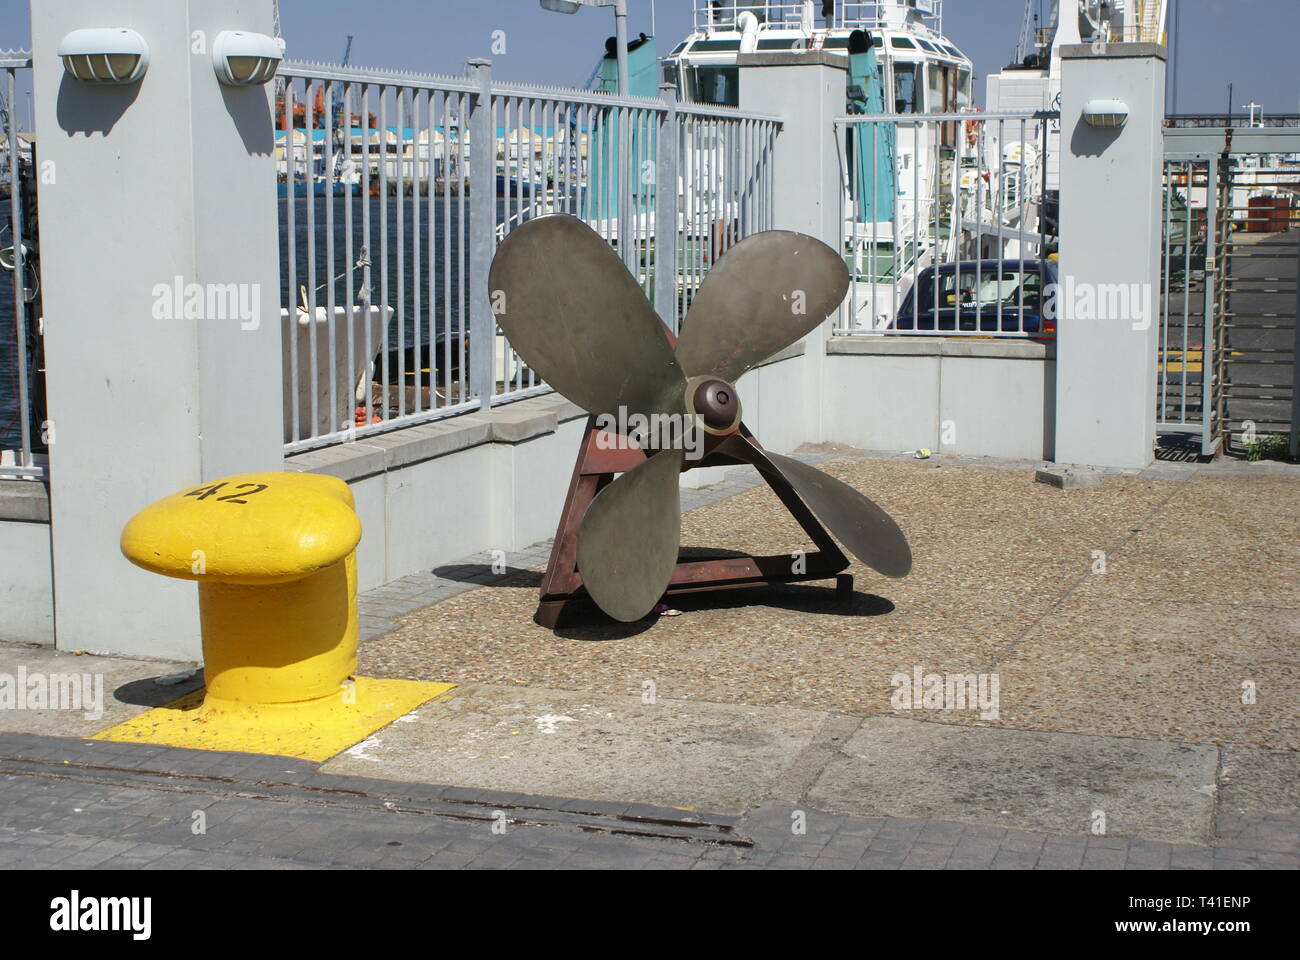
<point x="900" y="175"/>
<point x="924" y="71"/>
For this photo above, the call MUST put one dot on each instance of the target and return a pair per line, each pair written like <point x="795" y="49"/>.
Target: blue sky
<point x="1250" y="43"/>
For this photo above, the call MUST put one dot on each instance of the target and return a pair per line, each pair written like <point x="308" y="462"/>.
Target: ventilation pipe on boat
<point x="747" y="24"/>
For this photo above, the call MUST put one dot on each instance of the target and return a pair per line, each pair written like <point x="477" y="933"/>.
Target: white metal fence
<point x="391" y="210"/>
<point x="22" y="444"/>
<point x="948" y="224"/>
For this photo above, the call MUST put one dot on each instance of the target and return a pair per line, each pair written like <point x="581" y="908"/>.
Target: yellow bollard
<point x="274" y="555"/>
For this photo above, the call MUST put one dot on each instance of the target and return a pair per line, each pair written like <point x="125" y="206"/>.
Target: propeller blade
<point x="869" y="532"/>
<point x="576" y="316"/>
<point x="765" y="293"/>
<point x="628" y="541"/>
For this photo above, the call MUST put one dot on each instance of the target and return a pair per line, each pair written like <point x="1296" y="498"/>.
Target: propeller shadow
<point x="583" y="620"/>
<point x="483" y="575"/>
<point x="795" y="597"/>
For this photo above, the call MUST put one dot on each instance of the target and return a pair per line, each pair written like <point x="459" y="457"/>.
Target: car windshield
<point x="981" y="289"/>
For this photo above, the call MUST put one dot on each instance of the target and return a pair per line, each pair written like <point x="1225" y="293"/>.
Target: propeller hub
<point x="716" y="402"/>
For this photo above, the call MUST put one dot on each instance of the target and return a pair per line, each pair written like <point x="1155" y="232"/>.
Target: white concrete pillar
<point x="807" y="91"/>
<point x="166" y="182"/>
<point x="1110" y="256"/>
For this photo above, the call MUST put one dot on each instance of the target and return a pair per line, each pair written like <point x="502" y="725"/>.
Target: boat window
<point x="777" y="44"/>
<point x="878" y="41"/>
<point x="837" y="43"/>
<point x="943" y="88"/>
<point x="963" y="89"/>
<point x="679" y="48"/>
<point x="716" y="85"/>
<point x="927" y="46"/>
<point x="954" y="51"/>
<point x="710" y="46"/>
<point x="902" y="43"/>
<point x="672" y="75"/>
<point x="907" y="91"/>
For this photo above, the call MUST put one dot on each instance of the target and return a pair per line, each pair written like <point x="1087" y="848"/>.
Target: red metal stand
<point x="596" y="466"/>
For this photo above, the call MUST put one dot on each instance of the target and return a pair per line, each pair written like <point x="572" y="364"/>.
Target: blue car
<point x="990" y="296"/>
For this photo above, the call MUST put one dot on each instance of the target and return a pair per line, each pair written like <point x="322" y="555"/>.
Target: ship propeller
<point x="577" y="317"/>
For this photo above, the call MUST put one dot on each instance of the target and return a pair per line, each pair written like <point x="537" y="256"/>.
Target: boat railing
<point x="846" y="14"/>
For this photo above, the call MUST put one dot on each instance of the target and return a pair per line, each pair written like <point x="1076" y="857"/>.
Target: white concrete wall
<point x="774" y="402"/>
<point x="964" y="398"/>
<point x="439" y="509"/>
<point x="534" y="478"/>
<point x="882" y="402"/>
<point x="169" y="177"/>
<point x="1110" y="223"/>
<point x="26" y="583"/>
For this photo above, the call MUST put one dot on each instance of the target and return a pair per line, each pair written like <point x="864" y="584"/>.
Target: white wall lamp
<point x="244" y="59"/>
<point x="1105" y="113"/>
<point x="105" y="55"/>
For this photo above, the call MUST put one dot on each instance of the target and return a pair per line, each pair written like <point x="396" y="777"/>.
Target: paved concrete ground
<point x="727" y="758"/>
<point x="79" y="804"/>
<point x="667" y="784"/>
<point x="120" y="688"/>
<point x="686" y="772"/>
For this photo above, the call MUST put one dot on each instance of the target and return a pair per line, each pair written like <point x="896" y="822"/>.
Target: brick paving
<point x="80" y="804"/>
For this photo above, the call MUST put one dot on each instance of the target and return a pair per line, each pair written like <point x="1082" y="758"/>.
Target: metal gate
<point x="1231" y="250"/>
<point x="1257" y="298"/>
<point x="1188" y="385"/>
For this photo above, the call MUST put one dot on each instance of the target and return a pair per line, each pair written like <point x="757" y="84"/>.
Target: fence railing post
<point x="482" y="235"/>
<point x="666" y="145"/>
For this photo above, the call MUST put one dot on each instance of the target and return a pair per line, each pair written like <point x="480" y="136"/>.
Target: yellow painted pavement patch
<point x="315" y="731"/>
<point x="1190" y="361"/>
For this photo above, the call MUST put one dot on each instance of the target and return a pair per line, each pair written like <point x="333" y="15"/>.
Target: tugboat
<point x="923" y="71"/>
<point x="899" y="175"/>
